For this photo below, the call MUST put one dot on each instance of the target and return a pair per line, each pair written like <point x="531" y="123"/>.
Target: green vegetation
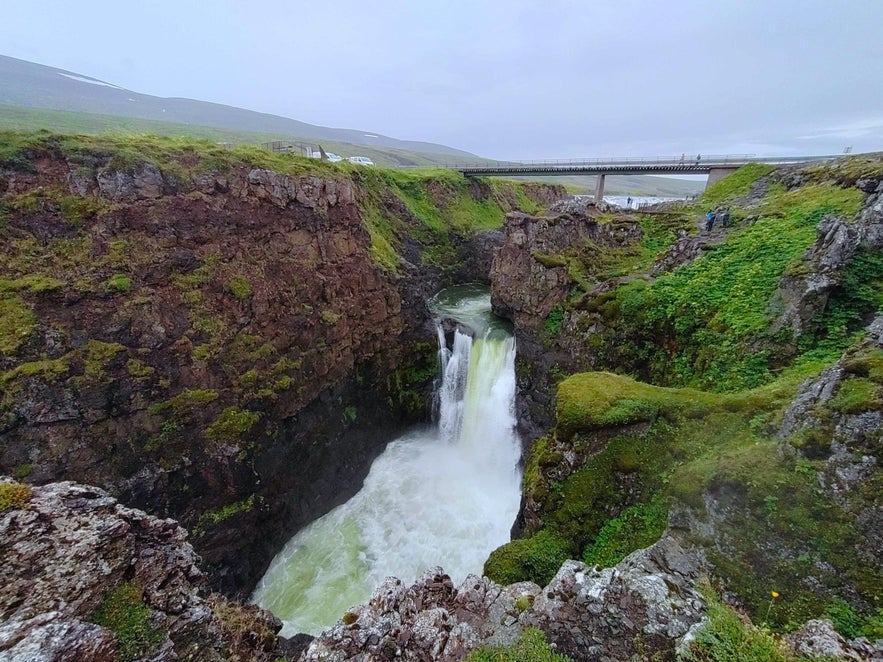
<point x="97" y="355"/>
<point x="124" y="613"/>
<point x="531" y="646"/>
<point x="734" y="186"/>
<point x="240" y="287"/>
<point x="14" y="496"/>
<point x="405" y="385"/>
<point x="118" y="283"/>
<point x="726" y="638"/>
<point x="694" y="326"/>
<point x="684" y="444"/>
<point x="554" y="320"/>
<point x="636" y="527"/>
<point x="35" y="284"/>
<point x="232" y="424"/>
<point x="184" y="402"/>
<point x="17" y="323"/>
<point x="212" y="517"/>
<point x="138" y="369"/>
<point x="430" y="206"/>
<point x="47" y="369"/>
<point x="536" y="559"/>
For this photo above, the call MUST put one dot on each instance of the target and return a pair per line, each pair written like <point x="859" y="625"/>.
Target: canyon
<point x="229" y="338"/>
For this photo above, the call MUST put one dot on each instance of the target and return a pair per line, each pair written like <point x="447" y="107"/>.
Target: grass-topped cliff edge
<point x="688" y="421"/>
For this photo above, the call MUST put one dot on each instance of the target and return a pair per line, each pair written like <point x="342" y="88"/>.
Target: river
<point x="440" y="495"/>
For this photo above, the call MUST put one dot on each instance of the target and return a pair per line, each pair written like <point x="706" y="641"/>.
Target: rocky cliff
<point x="199" y="330"/>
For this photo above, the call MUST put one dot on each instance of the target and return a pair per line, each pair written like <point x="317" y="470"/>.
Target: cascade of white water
<point x="442" y="496"/>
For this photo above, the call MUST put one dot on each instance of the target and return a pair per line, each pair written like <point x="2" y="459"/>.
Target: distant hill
<point x="34" y="85"/>
<point x="34" y="96"/>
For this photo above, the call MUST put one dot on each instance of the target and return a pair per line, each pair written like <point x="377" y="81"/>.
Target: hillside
<point x="34" y="97"/>
<point x="37" y="86"/>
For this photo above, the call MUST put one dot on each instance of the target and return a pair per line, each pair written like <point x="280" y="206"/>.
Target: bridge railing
<point x="627" y="161"/>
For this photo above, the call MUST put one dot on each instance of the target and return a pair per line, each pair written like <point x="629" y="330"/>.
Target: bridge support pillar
<point x="599" y="189"/>
<point x="719" y="173"/>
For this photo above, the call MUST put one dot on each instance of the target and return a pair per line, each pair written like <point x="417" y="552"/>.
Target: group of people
<point x="723" y="215"/>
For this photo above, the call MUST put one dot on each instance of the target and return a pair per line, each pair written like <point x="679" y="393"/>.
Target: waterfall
<point x="445" y="496"/>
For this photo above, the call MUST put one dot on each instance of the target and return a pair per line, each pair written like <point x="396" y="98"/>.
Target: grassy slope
<point x="706" y="325"/>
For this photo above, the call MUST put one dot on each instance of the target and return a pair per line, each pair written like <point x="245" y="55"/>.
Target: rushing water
<point x="445" y="495"/>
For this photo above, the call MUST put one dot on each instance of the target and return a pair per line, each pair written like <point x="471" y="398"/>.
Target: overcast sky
<point x="500" y="78"/>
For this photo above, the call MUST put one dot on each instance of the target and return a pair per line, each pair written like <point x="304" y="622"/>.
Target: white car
<point x="361" y="160"/>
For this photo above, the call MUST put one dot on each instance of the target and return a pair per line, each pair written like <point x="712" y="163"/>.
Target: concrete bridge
<point x="715" y="166"/>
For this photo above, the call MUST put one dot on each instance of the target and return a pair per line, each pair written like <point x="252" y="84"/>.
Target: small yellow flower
<point x="774" y="594"/>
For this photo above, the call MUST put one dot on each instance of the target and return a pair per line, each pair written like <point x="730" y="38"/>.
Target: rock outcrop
<point x="802" y="295"/>
<point x="646" y="605"/>
<point x="85" y="578"/>
<point x="818" y="639"/>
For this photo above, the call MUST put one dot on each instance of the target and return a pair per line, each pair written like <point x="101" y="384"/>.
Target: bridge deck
<point x="701" y="165"/>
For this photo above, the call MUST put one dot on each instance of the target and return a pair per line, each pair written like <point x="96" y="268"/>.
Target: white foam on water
<point x="445" y="495"/>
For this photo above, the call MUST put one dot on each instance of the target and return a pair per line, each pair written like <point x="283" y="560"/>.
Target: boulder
<point x="69" y="548"/>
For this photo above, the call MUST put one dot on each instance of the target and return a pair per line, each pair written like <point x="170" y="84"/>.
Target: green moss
<point x="550" y="261"/>
<point x="138" y="369"/>
<point x="536" y="559"/>
<point x="34" y="283"/>
<point x="97" y="355"/>
<point x="213" y="517"/>
<point x="75" y="209"/>
<point x="636" y="527"/>
<point x="47" y="369"/>
<point x="531" y="646"/>
<point x="866" y="363"/>
<point x="382" y="249"/>
<point x="184" y="402"/>
<point x="595" y="400"/>
<point x="240" y="287"/>
<point x="231" y="424"/>
<point x="118" y="283"/>
<point x="854" y="396"/>
<point x="22" y="471"/>
<point x="14" y="496"/>
<point x="404" y="387"/>
<point x="329" y="316"/>
<point x="124" y="613"/>
<point x="17" y="323"/>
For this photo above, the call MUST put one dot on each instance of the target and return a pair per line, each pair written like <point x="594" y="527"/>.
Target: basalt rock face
<point x="73" y="557"/>
<point x="220" y="347"/>
<point x="801" y="296"/>
<point x="528" y="282"/>
<point x="645" y="605"/>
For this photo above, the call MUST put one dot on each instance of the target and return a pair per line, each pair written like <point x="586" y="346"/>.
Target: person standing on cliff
<point x="709" y="221"/>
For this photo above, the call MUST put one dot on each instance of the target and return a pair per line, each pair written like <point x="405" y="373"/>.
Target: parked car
<point x="361" y="160"/>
